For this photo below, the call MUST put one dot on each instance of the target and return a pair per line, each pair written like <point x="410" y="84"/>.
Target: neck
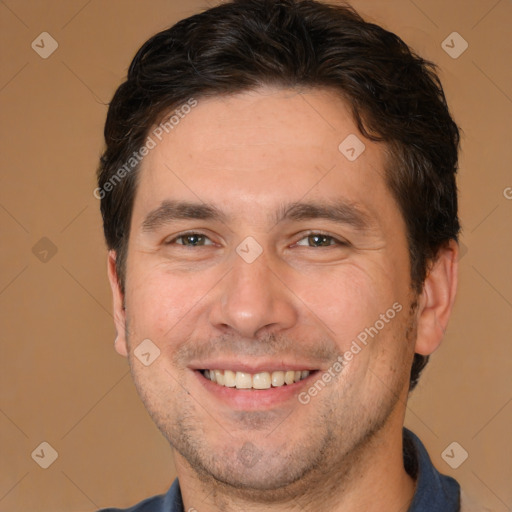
<point x="373" y="480"/>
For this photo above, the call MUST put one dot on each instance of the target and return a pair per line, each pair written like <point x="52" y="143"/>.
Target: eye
<point x="190" y="240"/>
<point x="319" y="240"/>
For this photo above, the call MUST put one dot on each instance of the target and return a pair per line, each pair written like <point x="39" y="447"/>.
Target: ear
<point x="436" y="300"/>
<point x="119" y="312"/>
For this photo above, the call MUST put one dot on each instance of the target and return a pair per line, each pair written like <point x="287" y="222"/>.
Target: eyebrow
<point x="339" y="211"/>
<point x="170" y="211"/>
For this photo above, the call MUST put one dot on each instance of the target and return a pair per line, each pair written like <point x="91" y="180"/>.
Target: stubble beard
<point x="334" y="444"/>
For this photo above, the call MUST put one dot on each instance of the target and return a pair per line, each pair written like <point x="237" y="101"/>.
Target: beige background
<point x="61" y="381"/>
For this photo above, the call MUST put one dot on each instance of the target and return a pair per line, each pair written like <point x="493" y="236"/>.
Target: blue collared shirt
<point x="434" y="492"/>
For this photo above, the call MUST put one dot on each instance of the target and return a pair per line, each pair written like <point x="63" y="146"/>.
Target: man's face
<point x="265" y="173"/>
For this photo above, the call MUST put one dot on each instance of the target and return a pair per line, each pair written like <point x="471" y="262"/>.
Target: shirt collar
<point x="434" y="492"/>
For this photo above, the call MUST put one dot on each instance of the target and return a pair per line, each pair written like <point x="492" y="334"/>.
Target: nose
<point x="253" y="300"/>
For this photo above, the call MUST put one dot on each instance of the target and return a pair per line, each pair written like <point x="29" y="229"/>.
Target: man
<point x="278" y="196"/>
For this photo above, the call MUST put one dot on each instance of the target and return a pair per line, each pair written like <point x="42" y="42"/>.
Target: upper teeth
<point x="262" y="380"/>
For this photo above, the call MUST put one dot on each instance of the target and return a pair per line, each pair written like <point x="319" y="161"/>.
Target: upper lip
<point x="251" y="367"/>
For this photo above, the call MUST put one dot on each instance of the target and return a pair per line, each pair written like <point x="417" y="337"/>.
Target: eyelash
<point x="183" y="235"/>
<point x="337" y="242"/>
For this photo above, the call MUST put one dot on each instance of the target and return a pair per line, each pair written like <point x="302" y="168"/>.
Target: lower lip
<point x="247" y="399"/>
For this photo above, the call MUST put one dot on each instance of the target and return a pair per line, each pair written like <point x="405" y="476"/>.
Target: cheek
<point x="347" y="299"/>
<point x="159" y="301"/>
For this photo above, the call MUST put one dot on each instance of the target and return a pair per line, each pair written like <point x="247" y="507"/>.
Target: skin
<point x="299" y="302"/>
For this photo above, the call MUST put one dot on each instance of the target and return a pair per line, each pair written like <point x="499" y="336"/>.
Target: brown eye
<point x="318" y="240"/>
<point x="191" y="240"/>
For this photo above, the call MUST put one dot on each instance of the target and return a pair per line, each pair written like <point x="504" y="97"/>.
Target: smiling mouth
<point x="261" y="380"/>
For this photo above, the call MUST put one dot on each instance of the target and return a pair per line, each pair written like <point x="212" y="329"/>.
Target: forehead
<point x="248" y="151"/>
